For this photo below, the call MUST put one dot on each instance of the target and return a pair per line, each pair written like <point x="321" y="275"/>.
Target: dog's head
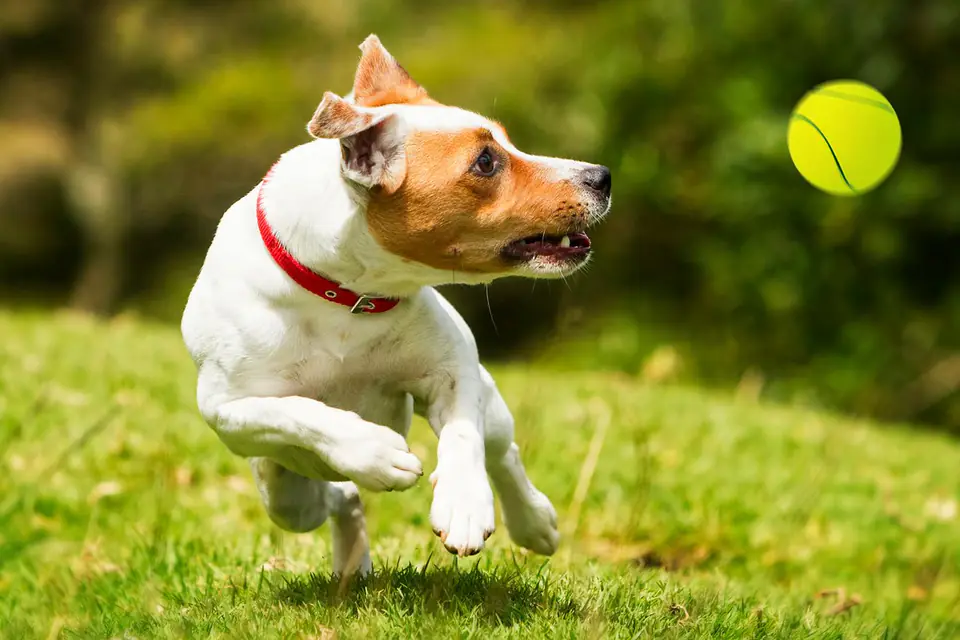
<point x="446" y="188"/>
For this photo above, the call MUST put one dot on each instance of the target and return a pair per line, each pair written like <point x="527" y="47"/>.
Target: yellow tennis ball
<point x="844" y="137"/>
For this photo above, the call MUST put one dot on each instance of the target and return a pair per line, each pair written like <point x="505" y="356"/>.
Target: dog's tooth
<point x="565" y="241"/>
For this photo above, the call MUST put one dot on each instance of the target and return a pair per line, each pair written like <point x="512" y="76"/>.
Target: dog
<point x="317" y="333"/>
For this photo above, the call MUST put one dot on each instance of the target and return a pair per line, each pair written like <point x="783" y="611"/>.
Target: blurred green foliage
<point x="716" y="248"/>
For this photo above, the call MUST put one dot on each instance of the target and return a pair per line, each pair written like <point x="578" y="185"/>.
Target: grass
<point x="121" y="515"/>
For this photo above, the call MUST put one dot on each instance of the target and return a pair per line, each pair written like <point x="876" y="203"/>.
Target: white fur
<point x="320" y="399"/>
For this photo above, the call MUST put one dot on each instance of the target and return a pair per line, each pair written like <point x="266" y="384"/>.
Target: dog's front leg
<point x="462" y="512"/>
<point x="313" y="439"/>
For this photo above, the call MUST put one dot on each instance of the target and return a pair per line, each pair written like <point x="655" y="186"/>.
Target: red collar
<point x="311" y="280"/>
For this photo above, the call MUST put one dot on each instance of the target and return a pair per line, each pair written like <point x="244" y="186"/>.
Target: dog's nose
<point x="597" y="178"/>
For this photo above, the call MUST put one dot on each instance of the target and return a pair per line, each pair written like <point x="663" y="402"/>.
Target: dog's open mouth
<point x="568" y="247"/>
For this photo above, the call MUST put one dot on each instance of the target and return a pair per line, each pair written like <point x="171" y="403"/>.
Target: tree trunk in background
<point x="94" y="188"/>
<point x="93" y="193"/>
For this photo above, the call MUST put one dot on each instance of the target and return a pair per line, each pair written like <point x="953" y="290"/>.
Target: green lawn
<point x="121" y="515"/>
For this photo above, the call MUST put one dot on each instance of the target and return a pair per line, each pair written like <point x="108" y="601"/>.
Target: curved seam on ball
<point x="852" y="98"/>
<point x="836" y="160"/>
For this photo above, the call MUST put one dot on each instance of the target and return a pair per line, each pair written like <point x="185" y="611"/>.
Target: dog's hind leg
<point x="351" y="547"/>
<point x="300" y="504"/>
<point x="293" y="502"/>
<point x="528" y="514"/>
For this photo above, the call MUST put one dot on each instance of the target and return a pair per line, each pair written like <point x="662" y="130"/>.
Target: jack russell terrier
<point x="316" y="331"/>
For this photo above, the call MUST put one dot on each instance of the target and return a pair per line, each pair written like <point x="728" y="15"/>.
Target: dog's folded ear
<point x="371" y="141"/>
<point x="381" y="80"/>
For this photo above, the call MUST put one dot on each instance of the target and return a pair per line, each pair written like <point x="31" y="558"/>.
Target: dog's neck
<point x="319" y="218"/>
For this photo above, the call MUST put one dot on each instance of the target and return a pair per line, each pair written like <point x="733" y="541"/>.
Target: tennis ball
<point x="844" y="137"/>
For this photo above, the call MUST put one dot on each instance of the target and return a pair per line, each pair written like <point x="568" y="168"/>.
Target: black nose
<point x="598" y="179"/>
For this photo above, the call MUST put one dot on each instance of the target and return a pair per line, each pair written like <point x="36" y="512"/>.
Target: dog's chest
<point x="322" y="359"/>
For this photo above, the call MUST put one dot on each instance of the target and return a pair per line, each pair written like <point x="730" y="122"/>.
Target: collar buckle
<point x="363" y="303"/>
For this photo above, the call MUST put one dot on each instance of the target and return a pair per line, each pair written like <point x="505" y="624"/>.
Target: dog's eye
<point x="486" y="164"/>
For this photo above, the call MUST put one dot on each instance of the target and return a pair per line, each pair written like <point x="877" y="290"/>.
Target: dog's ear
<point x="371" y="141"/>
<point x="381" y="80"/>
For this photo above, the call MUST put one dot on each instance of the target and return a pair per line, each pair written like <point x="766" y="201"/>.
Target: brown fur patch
<point x="400" y="95"/>
<point x="448" y="218"/>
<point x="380" y="79"/>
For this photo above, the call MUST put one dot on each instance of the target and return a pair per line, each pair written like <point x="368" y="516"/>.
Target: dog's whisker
<point x="486" y="290"/>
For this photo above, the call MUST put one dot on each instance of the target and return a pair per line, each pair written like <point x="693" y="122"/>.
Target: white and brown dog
<point x="316" y="332"/>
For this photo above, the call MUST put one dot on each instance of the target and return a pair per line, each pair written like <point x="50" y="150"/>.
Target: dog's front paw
<point x="462" y="512"/>
<point x="533" y="524"/>
<point x="375" y="458"/>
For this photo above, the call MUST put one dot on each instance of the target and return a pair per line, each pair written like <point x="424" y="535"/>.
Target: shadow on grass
<point x="500" y="596"/>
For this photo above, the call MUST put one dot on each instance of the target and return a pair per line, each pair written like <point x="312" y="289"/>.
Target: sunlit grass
<point x="121" y="513"/>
